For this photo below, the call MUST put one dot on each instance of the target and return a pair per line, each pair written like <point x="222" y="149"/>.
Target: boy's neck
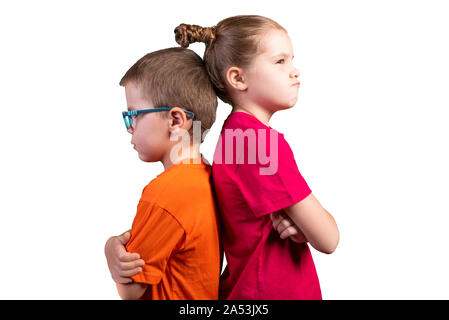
<point x="189" y="152"/>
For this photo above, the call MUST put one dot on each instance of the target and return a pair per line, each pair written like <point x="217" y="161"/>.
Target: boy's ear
<point x="177" y="120"/>
<point x="236" y="79"/>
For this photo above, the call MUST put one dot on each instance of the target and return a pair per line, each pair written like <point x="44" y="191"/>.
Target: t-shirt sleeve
<point x="275" y="185"/>
<point x="155" y="236"/>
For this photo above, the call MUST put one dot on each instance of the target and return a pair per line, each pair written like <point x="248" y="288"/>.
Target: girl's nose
<point x="294" y="73"/>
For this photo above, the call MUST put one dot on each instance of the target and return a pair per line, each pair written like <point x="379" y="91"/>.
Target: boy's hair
<point x="233" y="41"/>
<point x="176" y="77"/>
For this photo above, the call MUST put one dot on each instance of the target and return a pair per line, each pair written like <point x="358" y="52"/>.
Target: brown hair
<point x="176" y="77"/>
<point x="233" y="41"/>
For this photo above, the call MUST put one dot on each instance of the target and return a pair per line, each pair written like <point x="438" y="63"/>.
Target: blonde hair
<point x="234" y="41"/>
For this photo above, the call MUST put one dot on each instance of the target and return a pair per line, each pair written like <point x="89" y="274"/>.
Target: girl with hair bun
<point x="268" y="211"/>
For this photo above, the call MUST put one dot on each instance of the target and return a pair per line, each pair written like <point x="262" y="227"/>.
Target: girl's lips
<point x="296" y="84"/>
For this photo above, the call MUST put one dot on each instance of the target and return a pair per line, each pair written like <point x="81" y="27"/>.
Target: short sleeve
<point x="273" y="183"/>
<point x="155" y="236"/>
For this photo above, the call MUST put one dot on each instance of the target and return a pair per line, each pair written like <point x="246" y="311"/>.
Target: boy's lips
<point x="296" y="84"/>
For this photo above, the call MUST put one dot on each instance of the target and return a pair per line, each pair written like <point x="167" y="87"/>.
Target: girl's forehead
<point x="275" y="42"/>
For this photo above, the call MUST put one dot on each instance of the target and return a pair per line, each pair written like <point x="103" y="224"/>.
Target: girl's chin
<point x="285" y="106"/>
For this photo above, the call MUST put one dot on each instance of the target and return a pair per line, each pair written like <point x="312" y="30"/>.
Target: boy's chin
<point x="147" y="158"/>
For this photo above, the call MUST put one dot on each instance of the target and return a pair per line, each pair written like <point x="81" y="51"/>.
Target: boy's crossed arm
<point x="131" y="291"/>
<point x="123" y="265"/>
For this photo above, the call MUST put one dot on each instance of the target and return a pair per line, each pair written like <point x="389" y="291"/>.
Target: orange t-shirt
<point x="176" y="232"/>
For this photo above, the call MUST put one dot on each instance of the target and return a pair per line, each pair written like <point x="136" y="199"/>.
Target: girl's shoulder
<point x="243" y="120"/>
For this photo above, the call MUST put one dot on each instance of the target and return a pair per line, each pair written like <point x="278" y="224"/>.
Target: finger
<point x="131" y="265"/>
<point x="128" y="257"/>
<point x="276" y="221"/>
<point x="290" y="231"/>
<point x="129" y="273"/>
<point x="284" y="224"/>
<point x="124" y="238"/>
<point x="274" y="215"/>
<point x="281" y="224"/>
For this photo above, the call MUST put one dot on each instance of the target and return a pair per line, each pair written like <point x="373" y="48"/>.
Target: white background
<point x="369" y="133"/>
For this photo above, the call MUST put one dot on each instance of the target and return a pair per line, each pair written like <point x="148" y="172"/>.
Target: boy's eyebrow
<point x="130" y="108"/>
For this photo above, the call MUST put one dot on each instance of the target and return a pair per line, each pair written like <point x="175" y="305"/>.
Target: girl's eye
<point x="280" y="61"/>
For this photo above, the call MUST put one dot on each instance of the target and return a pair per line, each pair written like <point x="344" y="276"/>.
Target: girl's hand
<point x="286" y="227"/>
<point x="121" y="263"/>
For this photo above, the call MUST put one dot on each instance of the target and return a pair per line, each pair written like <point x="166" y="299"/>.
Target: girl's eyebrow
<point x="283" y="54"/>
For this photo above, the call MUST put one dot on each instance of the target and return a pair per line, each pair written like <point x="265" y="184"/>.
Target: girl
<point x="259" y="188"/>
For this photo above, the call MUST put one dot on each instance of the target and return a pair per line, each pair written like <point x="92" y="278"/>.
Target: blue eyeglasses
<point x="128" y="116"/>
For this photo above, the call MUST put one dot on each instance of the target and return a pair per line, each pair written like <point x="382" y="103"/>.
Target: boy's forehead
<point x="135" y="97"/>
<point x="134" y="88"/>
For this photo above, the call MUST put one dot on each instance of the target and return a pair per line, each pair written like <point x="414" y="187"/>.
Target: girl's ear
<point x="236" y="79"/>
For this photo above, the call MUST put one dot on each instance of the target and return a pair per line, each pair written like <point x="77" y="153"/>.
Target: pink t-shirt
<point x="253" y="178"/>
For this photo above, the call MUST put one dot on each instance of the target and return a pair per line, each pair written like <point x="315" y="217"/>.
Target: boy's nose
<point x="130" y="130"/>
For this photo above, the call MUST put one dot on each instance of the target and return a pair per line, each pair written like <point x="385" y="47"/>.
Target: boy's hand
<point x="121" y="263"/>
<point x="286" y="227"/>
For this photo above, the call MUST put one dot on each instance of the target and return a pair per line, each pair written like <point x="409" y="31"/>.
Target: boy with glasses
<point x="175" y="231"/>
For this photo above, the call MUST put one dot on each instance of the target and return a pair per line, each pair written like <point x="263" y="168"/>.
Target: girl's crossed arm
<point x="316" y="223"/>
<point x="286" y="228"/>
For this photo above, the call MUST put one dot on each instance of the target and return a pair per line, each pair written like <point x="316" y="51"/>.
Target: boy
<point x="175" y="230"/>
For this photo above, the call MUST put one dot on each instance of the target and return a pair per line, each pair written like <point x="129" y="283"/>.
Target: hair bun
<point x="185" y="34"/>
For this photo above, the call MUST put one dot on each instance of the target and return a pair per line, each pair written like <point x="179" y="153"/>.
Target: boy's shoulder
<point x="182" y="188"/>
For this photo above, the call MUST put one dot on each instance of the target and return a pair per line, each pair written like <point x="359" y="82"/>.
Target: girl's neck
<point x="261" y="114"/>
